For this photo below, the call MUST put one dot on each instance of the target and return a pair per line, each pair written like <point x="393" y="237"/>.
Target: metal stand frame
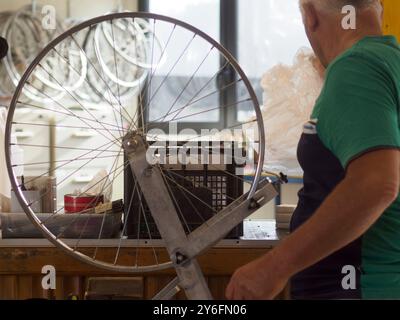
<point x="183" y="249"/>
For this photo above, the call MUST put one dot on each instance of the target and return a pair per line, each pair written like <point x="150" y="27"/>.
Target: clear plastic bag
<point x="290" y="93"/>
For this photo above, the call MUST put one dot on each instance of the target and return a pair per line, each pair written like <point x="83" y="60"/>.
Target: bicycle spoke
<point x="98" y="74"/>
<point x="126" y="218"/>
<point x="67" y="114"/>
<point x="61" y="166"/>
<point x="59" y="126"/>
<point x="124" y="165"/>
<point x="75" y="115"/>
<point x="203" y="185"/>
<point x="75" y="99"/>
<point x="191" y="193"/>
<point x="154" y="122"/>
<point x="230" y="105"/>
<point x="59" y="147"/>
<point x="188" y="83"/>
<point x="57" y="161"/>
<point x="174" y="200"/>
<point x="116" y="67"/>
<point x="147" y="226"/>
<point x="68" y="176"/>
<point x="98" y="197"/>
<point x="170" y="71"/>
<point x="154" y="72"/>
<point x="96" y="90"/>
<point x="152" y="60"/>
<point x="54" y="214"/>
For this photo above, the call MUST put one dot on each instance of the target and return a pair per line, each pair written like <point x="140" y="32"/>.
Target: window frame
<point x="228" y="39"/>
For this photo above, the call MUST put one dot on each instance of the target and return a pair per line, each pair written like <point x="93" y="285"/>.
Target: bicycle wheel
<point x="91" y="139"/>
<point x="26" y="37"/>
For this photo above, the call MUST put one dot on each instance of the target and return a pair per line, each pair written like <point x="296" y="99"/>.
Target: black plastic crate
<point x="199" y="193"/>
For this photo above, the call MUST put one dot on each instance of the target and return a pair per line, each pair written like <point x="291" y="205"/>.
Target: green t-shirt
<point x="358" y="111"/>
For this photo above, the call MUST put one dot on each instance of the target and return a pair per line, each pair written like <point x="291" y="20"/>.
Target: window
<point x="188" y="77"/>
<point x="269" y="32"/>
<point x="259" y="33"/>
<point x="203" y="14"/>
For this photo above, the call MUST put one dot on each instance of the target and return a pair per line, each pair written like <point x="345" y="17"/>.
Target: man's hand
<point x="371" y="184"/>
<point x="257" y="281"/>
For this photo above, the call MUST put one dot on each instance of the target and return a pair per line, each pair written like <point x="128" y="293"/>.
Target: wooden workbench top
<point x="21" y="262"/>
<point x="257" y="234"/>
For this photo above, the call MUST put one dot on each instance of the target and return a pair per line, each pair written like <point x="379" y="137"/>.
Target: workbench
<point x="21" y="262"/>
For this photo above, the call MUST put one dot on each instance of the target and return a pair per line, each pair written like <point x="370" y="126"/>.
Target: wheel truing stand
<point x="183" y="249"/>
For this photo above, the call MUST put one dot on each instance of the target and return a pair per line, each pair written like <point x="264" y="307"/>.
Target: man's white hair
<point x="334" y="5"/>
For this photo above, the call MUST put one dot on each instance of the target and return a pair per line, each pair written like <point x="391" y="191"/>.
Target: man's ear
<point x="310" y="17"/>
<point x="3" y="48"/>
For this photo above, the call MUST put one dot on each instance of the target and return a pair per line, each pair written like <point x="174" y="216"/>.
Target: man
<point x="345" y="242"/>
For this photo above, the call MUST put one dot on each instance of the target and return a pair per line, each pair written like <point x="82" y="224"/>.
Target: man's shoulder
<point x="360" y="69"/>
<point x="355" y="60"/>
<point x="369" y="56"/>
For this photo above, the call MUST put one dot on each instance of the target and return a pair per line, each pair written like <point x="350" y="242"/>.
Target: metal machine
<point x="157" y="48"/>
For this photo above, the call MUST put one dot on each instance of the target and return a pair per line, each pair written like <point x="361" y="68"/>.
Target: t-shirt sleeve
<point x="359" y="111"/>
